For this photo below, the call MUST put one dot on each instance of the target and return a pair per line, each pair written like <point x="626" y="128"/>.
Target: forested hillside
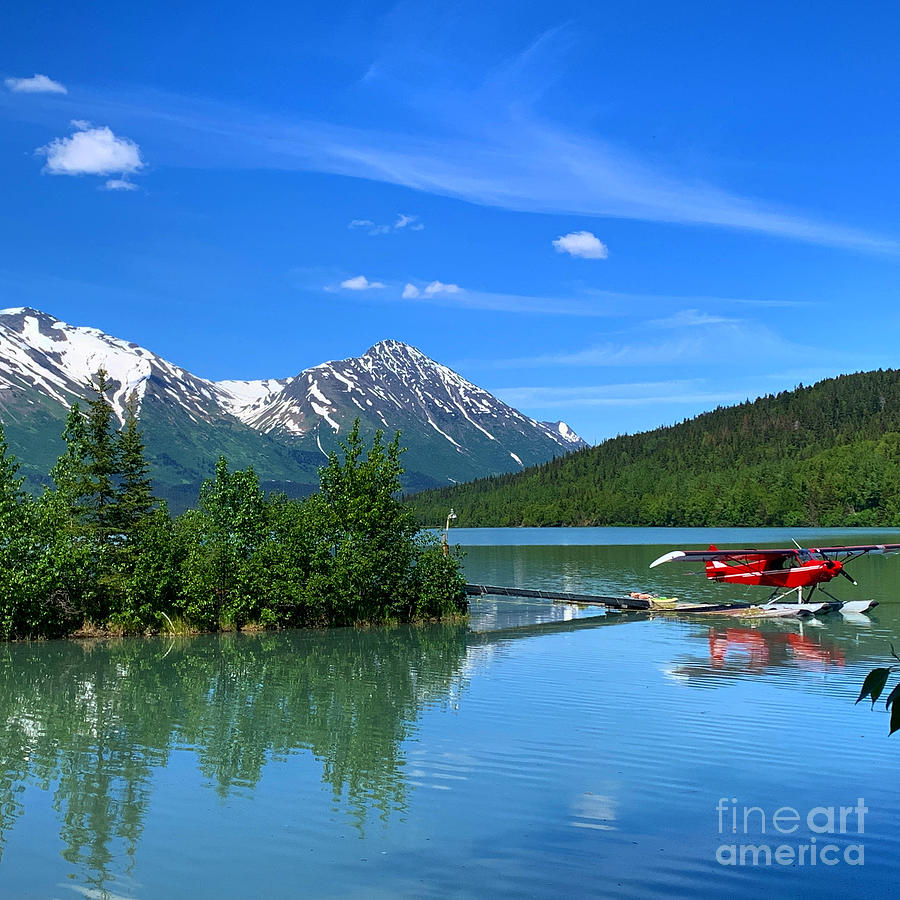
<point x="822" y="455"/>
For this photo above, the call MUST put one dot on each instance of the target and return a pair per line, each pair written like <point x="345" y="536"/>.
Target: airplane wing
<point x="723" y="555"/>
<point x="746" y="555"/>
<point x="857" y="550"/>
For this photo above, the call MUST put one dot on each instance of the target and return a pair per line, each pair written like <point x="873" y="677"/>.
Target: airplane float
<point x="796" y="569"/>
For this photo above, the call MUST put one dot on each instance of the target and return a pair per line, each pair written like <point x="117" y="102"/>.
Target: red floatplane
<point x="796" y="569"/>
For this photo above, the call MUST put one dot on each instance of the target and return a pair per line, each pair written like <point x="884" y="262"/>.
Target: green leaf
<point x="874" y="684"/>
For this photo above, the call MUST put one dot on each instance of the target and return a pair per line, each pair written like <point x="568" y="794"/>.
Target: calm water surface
<point x="538" y="751"/>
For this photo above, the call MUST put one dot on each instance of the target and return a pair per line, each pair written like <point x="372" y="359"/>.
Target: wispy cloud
<point x="373" y="228"/>
<point x="91" y="151"/>
<point x="119" y="184"/>
<point x="583" y="244"/>
<point x="692" y="318"/>
<point x="369" y="226"/>
<point x="412" y="222"/>
<point x="440" y="293"/>
<point x="675" y="392"/>
<point x="486" y="147"/>
<point x="588" y="303"/>
<point x="37" y="84"/>
<point x="729" y="341"/>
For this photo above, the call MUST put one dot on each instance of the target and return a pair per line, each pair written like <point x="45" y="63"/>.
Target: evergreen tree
<point x="134" y="497"/>
<point x="77" y="520"/>
<point x="70" y="474"/>
<point x="102" y="461"/>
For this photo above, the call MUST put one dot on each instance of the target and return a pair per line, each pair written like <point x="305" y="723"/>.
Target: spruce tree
<point x="134" y="497"/>
<point x="102" y="461"/>
<point x="70" y="474"/>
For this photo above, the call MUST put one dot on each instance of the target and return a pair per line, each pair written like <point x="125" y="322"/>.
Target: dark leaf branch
<point x="874" y="685"/>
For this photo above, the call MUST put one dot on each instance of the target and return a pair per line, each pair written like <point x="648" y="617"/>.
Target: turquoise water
<point x="539" y="751"/>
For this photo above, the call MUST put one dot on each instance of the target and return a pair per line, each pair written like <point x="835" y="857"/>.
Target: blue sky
<point x="618" y="215"/>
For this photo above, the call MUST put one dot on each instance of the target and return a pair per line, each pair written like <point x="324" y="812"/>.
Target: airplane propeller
<point x="842" y="570"/>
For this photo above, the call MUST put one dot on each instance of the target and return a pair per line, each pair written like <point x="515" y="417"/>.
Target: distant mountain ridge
<point x="454" y="430"/>
<point x="827" y="455"/>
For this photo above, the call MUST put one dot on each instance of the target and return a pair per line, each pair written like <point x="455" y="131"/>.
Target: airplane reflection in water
<point x="736" y="651"/>
<point x="760" y="649"/>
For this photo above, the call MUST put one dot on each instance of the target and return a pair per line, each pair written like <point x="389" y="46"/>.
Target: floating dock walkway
<point x="476" y="590"/>
<point x="639" y="604"/>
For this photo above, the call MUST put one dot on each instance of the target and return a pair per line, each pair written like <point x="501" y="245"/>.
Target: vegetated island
<point x="825" y="455"/>
<point x="96" y="552"/>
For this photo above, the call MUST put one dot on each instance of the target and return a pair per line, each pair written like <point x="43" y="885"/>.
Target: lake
<point x="539" y="751"/>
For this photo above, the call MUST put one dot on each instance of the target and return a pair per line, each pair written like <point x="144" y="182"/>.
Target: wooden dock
<point x="476" y="590"/>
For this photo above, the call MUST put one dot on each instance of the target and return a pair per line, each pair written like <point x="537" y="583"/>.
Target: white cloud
<point x="403" y="221"/>
<point x="581" y="243"/>
<point x="91" y="151"/>
<point x="434" y="289"/>
<point x="119" y="184"/>
<point x="412" y="221"/>
<point x="360" y="283"/>
<point x="370" y="226"/>
<point x="438" y="287"/>
<point x="37" y="84"/>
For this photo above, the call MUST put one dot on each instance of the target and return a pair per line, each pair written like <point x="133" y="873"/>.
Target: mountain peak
<point x="391" y="349"/>
<point x="15" y="312"/>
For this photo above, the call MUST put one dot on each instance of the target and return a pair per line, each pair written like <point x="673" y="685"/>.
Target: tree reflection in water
<point x="92" y="722"/>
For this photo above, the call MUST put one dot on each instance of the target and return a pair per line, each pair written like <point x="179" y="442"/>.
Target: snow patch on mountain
<point x="561" y="431"/>
<point x="250" y="394"/>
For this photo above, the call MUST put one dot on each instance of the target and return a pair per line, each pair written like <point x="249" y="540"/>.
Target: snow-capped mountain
<point x="41" y="353"/>
<point x="454" y="430"/>
<point x="392" y="385"/>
